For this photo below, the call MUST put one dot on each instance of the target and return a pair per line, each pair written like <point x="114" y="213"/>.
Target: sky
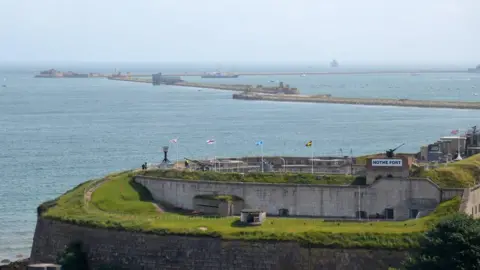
<point x="351" y="31"/>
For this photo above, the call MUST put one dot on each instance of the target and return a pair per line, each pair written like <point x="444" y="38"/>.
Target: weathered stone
<point x="129" y="250"/>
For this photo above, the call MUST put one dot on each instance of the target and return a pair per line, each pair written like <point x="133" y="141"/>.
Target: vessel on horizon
<point x="476" y="69"/>
<point x="334" y="63"/>
<point x="219" y="75"/>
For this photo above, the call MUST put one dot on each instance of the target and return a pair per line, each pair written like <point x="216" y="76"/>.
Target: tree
<point x="453" y="244"/>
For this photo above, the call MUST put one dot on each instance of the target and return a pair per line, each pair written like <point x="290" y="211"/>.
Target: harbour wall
<point x="330" y="201"/>
<point x="131" y="250"/>
<point x="362" y="101"/>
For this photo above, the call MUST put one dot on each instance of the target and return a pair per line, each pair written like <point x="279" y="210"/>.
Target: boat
<point x="476" y="69"/>
<point x="52" y="73"/>
<point x="334" y="63"/>
<point x="219" y="75"/>
<point x="4" y="84"/>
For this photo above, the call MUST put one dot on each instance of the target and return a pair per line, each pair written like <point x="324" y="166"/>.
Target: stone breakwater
<point x="281" y="89"/>
<point x="361" y="101"/>
<point x="132" y="250"/>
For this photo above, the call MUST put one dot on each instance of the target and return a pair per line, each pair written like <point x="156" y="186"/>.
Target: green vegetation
<point x="290" y="178"/>
<point x="119" y="203"/>
<point x="462" y="173"/>
<point x="452" y="244"/>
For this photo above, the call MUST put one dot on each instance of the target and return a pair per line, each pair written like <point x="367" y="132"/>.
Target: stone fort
<point x="389" y="193"/>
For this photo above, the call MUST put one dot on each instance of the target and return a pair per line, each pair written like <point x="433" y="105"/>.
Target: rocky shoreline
<point x="16" y="265"/>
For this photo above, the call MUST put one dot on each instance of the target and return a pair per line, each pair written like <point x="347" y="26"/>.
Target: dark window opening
<point x="413" y="213"/>
<point x="389" y="214"/>
<point x="361" y="214"/>
<point x="283" y="212"/>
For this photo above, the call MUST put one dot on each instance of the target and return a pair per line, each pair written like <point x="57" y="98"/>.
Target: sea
<point x="56" y="133"/>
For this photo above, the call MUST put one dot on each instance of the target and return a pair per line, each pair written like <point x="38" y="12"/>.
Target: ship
<point x="53" y="73"/>
<point x="219" y="75"/>
<point x="476" y="69"/>
<point x="334" y="63"/>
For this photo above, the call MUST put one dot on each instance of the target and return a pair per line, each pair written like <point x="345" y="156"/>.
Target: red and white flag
<point x="454" y="132"/>
<point x="174" y="140"/>
<point x="210" y="141"/>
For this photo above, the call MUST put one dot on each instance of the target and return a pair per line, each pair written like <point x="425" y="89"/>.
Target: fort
<point x="346" y="213"/>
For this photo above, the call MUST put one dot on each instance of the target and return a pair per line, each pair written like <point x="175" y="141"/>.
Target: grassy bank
<point x="464" y="173"/>
<point x="122" y="204"/>
<point x="291" y="178"/>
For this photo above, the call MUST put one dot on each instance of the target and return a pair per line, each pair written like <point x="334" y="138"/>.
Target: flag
<point x="210" y="141"/>
<point x="173" y="140"/>
<point x="454" y="132"/>
<point x="259" y="143"/>
<point x="309" y="144"/>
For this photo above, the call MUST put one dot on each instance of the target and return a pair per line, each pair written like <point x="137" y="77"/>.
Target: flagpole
<point x="215" y="156"/>
<point x="176" y="148"/>
<point x="261" y="151"/>
<point x="312" y="159"/>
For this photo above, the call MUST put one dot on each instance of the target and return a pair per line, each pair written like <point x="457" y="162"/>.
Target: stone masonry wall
<point x="128" y="250"/>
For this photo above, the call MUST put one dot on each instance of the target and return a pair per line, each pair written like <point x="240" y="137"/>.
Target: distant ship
<point x="52" y="73"/>
<point x="219" y="75"/>
<point x="334" y="63"/>
<point x="476" y="69"/>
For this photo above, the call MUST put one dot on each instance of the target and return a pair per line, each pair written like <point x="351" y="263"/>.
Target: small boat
<point x="4" y="80"/>
<point x="303" y="75"/>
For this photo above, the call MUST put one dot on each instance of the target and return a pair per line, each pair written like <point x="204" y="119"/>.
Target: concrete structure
<point x="216" y="205"/>
<point x="471" y="202"/>
<point x="392" y="198"/>
<point x="44" y="266"/>
<point x="158" y="79"/>
<point x="252" y="216"/>
<point x="327" y="164"/>
<point x="360" y="101"/>
<point x="381" y="167"/>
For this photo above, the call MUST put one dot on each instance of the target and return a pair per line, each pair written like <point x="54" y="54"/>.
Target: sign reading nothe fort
<point x="387" y="162"/>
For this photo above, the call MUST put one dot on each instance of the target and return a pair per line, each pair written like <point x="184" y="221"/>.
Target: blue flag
<point x="259" y="143"/>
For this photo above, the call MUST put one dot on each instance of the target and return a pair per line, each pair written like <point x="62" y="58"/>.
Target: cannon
<point x="391" y="152"/>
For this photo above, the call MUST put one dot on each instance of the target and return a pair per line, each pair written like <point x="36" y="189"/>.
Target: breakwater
<point x="280" y="89"/>
<point x="361" y="101"/>
<point x="129" y="79"/>
<point x="133" y="250"/>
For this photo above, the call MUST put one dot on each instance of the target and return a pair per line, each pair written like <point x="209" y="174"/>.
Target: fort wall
<point x="130" y="250"/>
<point x="404" y="196"/>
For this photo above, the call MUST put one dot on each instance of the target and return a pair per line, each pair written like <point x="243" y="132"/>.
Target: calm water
<point x="56" y="133"/>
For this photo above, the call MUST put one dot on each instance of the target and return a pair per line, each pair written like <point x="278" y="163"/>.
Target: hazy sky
<point x="353" y="31"/>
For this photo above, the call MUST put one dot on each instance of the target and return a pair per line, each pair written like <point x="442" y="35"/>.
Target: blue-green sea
<point x="56" y="133"/>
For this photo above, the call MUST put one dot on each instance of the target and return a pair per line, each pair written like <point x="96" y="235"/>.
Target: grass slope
<point x="464" y="173"/>
<point x="122" y="204"/>
<point x="292" y="178"/>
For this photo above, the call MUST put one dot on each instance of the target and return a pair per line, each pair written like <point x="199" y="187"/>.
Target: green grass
<point x="121" y="204"/>
<point x="462" y="173"/>
<point x="293" y="178"/>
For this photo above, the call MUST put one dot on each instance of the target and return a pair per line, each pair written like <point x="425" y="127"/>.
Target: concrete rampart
<point x="129" y="250"/>
<point x="403" y="197"/>
<point x="471" y="202"/>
